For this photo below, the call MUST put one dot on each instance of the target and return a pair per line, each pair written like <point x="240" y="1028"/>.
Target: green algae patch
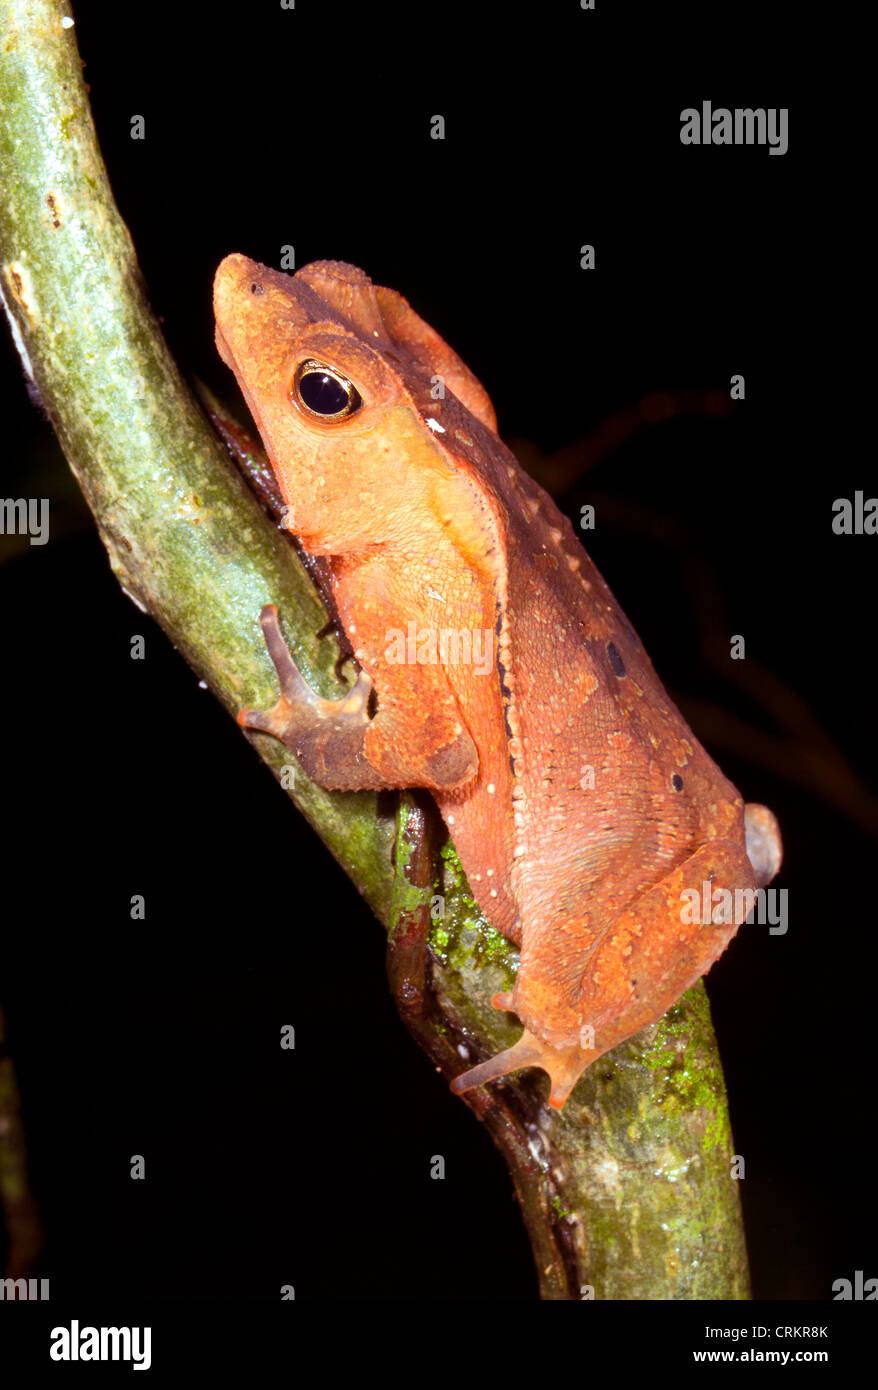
<point x="681" y="1051"/>
<point x="462" y="937"/>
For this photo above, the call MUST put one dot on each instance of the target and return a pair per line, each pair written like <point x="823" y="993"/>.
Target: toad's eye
<point x="323" y="392"/>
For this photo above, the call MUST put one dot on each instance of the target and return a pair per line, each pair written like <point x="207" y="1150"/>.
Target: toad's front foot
<point x="326" y="735"/>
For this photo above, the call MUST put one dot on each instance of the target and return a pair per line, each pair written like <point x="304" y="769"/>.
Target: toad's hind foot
<point x="564" y="1065"/>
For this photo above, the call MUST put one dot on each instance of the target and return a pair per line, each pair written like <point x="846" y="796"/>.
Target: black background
<point x="311" y="128"/>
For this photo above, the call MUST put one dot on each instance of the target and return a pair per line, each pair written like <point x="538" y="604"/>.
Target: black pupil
<point x="323" y="394"/>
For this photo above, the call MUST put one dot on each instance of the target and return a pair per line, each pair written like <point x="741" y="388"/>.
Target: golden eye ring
<point x="324" y="393"/>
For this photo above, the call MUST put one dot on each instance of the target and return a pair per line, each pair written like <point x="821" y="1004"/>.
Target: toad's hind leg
<point x="564" y="1065"/>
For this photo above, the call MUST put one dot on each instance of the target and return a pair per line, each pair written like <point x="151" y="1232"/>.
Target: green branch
<point x="628" y="1190"/>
